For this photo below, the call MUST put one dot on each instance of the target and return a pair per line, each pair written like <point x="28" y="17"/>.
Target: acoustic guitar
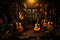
<point x="37" y="27"/>
<point x="50" y="25"/>
<point x="19" y="27"/>
<point x="44" y="23"/>
<point x="21" y="17"/>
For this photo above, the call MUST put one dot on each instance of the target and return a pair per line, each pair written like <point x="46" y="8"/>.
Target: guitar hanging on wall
<point x="18" y="24"/>
<point x="50" y="23"/>
<point x="44" y="21"/>
<point x="37" y="26"/>
<point x="19" y="27"/>
<point x="21" y="17"/>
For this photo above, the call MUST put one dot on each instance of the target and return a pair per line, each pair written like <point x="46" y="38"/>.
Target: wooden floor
<point x="32" y="36"/>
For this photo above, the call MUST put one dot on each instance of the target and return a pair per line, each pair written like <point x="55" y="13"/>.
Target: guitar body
<point x="36" y="28"/>
<point x="19" y="27"/>
<point x="44" y="23"/>
<point x="18" y="15"/>
<point x="50" y="26"/>
<point x="21" y="17"/>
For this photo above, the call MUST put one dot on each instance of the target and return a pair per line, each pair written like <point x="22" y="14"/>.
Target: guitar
<point x="50" y="25"/>
<point x="37" y="27"/>
<point x="21" y="17"/>
<point x="18" y="25"/>
<point x="44" y="23"/>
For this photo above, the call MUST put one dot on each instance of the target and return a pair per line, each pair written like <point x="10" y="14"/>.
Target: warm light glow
<point x="31" y="1"/>
<point x="25" y="5"/>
